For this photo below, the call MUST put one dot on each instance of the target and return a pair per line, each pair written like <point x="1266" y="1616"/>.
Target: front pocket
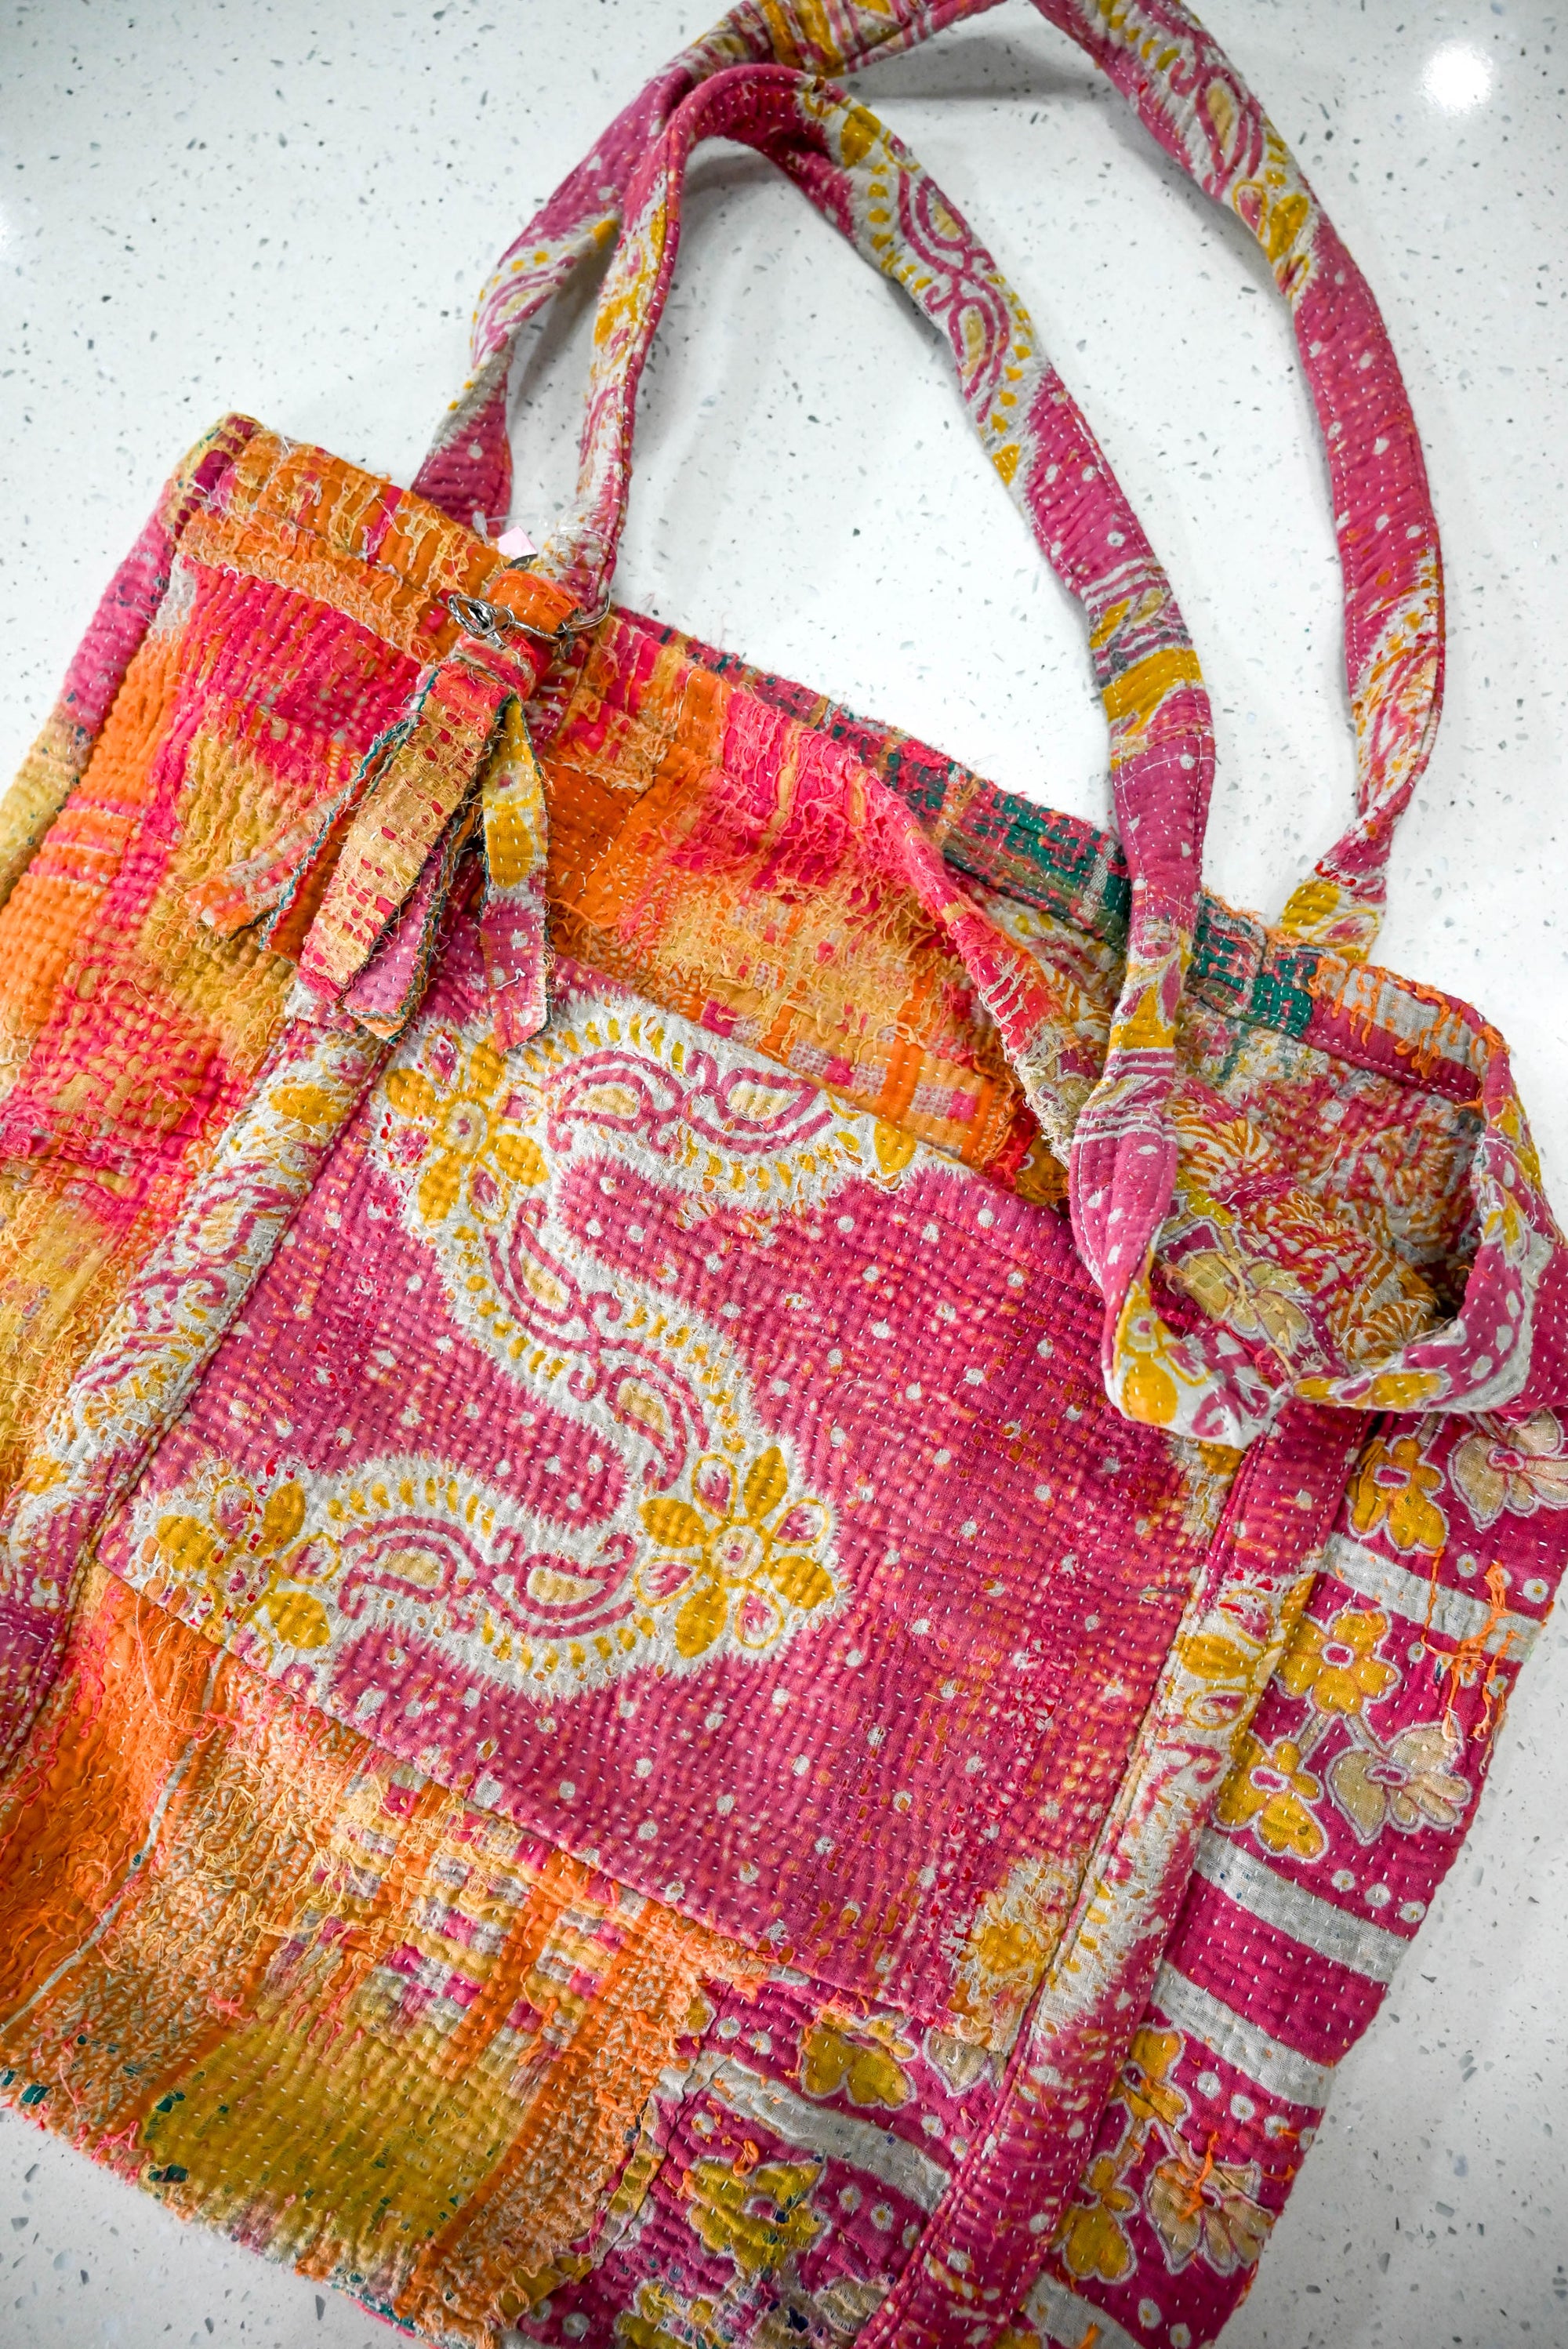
<point x="695" y="1470"/>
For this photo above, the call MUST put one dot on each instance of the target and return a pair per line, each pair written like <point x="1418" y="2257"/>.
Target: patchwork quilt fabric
<point x="766" y="1519"/>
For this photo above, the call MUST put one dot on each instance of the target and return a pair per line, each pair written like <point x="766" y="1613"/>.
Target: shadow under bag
<point x="767" y="1517"/>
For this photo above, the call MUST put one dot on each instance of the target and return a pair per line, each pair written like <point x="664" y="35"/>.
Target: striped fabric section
<point x="1452" y="1613"/>
<point x="1062" y="2317"/>
<point x="1283" y="2071"/>
<point x="1354" y="1941"/>
<point x="892" y="2160"/>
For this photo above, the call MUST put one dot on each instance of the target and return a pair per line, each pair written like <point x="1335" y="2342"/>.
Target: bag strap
<point x="1197" y="106"/>
<point x="1122" y="1159"/>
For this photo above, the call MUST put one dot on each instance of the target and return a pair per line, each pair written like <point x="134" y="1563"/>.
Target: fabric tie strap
<point x="357" y="892"/>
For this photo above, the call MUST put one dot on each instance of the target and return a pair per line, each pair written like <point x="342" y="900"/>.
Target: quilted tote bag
<point x="617" y="1649"/>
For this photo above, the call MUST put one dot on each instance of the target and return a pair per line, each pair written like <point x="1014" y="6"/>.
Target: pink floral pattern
<point x="723" y="1562"/>
<point x="1516" y="1468"/>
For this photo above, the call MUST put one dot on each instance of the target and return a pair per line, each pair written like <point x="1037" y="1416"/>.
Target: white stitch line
<point x="1354" y="1941"/>
<point x="1283" y="2071"/>
<point x="1455" y="1613"/>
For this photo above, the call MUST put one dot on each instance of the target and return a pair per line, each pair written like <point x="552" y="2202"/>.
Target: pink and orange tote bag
<point x="767" y="1517"/>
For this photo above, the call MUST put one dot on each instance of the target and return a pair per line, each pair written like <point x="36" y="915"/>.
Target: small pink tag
<point x="516" y="541"/>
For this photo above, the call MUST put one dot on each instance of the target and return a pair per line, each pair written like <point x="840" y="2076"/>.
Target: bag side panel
<point x="1347" y="1805"/>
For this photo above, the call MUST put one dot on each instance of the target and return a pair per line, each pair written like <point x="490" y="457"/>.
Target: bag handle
<point x="1187" y="93"/>
<point x="1122" y="1158"/>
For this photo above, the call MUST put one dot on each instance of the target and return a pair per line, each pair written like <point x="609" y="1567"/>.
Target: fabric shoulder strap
<point x="1122" y="1155"/>
<point x="1194" y="102"/>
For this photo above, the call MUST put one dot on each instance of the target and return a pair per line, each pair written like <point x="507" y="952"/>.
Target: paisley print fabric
<point x="619" y="1394"/>
<point x="766" y="1520"/>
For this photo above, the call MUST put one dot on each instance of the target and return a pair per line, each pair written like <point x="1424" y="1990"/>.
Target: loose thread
<point x="1471" y="1656"/>
<point x="1195" y="2194"/>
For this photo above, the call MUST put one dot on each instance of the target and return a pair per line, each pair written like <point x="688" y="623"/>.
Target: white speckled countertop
<point x="287" y="207"/>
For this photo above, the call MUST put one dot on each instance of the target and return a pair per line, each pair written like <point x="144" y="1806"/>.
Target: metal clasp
<point x="491" y="622"/>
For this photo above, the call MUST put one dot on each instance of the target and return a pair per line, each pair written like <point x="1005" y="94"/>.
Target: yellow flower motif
<point x="1092" y="2240"/>
<point x="894" y="1148"/>
<point x="1392" y="1491"/>
<point x="472" y="1152"/>
<point x="309" y="1105"/>
<point x="663" y="2319"/>
<point x="728" y="1566"/>
<point x="760" y="2216"/>
<point x="226" y="1572"/>
<point x="864" y="2061"/>
<point x="1146" y="1371"/>
<point x="514" y="809"/>
<point x="1519" y="1468"/>
<point x="1144" y="2086"/>
<point x="1145" y="1026"/>
<point x="1335" y="1669"/>
<point x="1269" y="1792"/>
<point x="1227" y="1657"/>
